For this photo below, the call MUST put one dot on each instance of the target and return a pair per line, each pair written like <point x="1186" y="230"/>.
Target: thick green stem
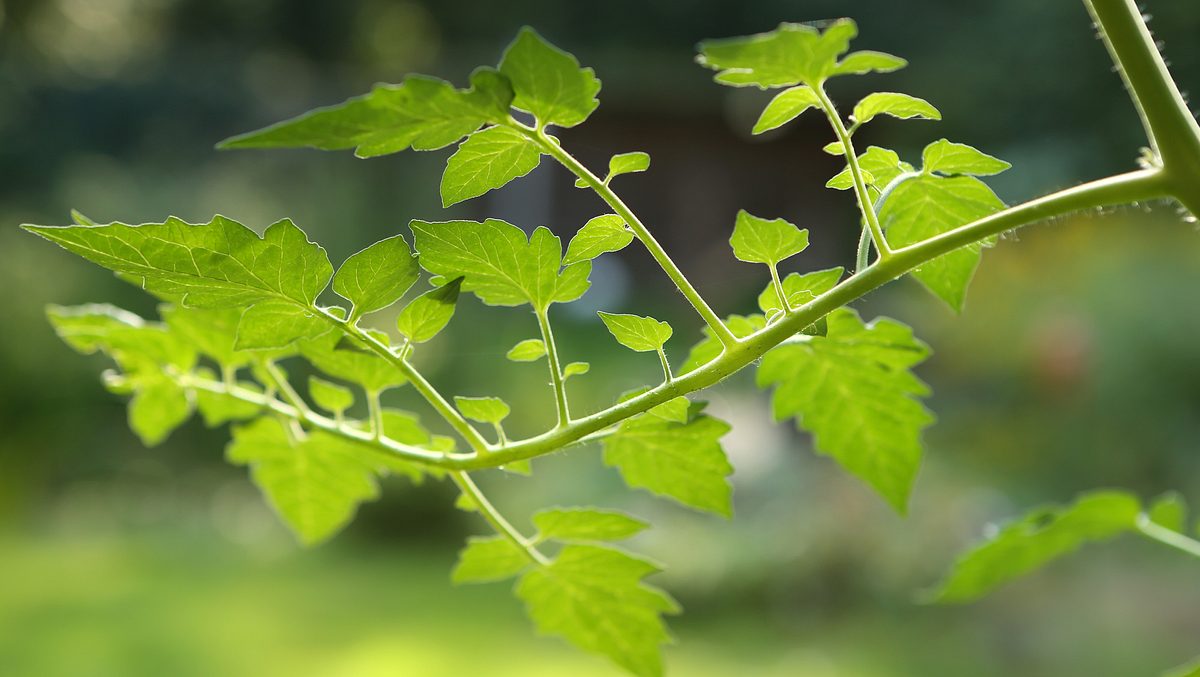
<point x="494" y="518"/>
<point x="556" y="377"/>
<point x="551" y="147"/>
<point x="1167" y="537"/>
<point x="860" y="186"/>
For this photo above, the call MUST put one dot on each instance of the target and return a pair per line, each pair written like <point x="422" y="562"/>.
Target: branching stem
<point x="1168" y="537"/>
<point x="494" y="518"/>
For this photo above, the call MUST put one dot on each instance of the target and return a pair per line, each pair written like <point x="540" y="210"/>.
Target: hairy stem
<point x="551" y="147"/>
<point x="778" y="285"/>
<point x="860" y="186"/>
<point x="494" y="518"/>
<point x="1168" y="537"/>
<point x="556" y="377"/>
<point x="662" y="357"/>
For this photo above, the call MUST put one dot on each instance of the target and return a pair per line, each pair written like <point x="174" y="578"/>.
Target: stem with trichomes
<point x="556" y="377"/>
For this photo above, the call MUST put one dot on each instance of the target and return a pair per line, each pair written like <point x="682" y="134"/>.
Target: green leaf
<point x="527" y="351"/>
<point x="866" y="61"/>
<point x="682" y="461"/>
<point x="212" y="331"/>
<point x="488" y="159"/>
<point x="274" y="324"/>
<point x="498" y="264"/>
<point x="710" y="347"/>
<point x="883" y="165"/>
<point x="844" y="180"/>
<point x="799" y="289"/>
<point x="757" y="240"/>
<point x="377" y="276"/>
<point x="789" y="55"/>
<point x="549" y="83"/>
<point x="144" y="351"/>
<point x="605" y="233"/>
<point x="330" y="396"/>
<point x="642" y="334"/>
<point x="834" y="148"/>
<point x="627" y="163"/>
<point x="594" y="597"/>
<point x="314" y="484"/>
<point x="926" y="206"/>
<point x="215" y="265"/>
<point x="852" y="389"/>
<point x="586" y="524"/>
<point x="219" y="408"/>
<point x="422" y="113"/>
<point x="1040" y="537"/>
<point x="371" y="371"/>
<point x="488" y="558"/>
<point x="947" y="157"/>
<point x="576" y="369"/>
<point x="894" y="104"/>
<point x="483" y="409"/>
<point x="1169" y="511"/>
<point x="1192" y="669"/>
<point x="427" y="315"/>
<point x="785" y="107"/>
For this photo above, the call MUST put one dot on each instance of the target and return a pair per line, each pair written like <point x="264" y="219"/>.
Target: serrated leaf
<point x="926" y="206"/>
<point x="159" y="406"/>
<point x="1169" y="511"/>
<point x="488" y="159"/>
<point x="211" y="331"/>
<point x="215" y="265"/>
<point x="594" y="597"/>
<point x="488" y="558"/>
<point x="548" y="82"/>
<point x="682" y="461"/>
<point x="576" y="369"/>
<point x="330" y="396"/>
<point x="482" y="409"/>
<point x="627" y="163"/>
<point x="866" y="61"/>
<point x="641" y="334"/>
<point x="377" y="276"/>
<point x="274" y="324"/>
<point x="883" y="165"/>
<point x="852" y="389"/>
<point x="785" y="107"/>
<point x="799" y="289"/>
<point x="601" y="234"/>
<point x="586" y="524"/>
<point x="947" y="157"/>
<point x="757" y="240"/>
<point x="897" y="105"/>
<point x="427" y="315"/>
<point x="710" y="347"/>
<point x="421" y="113"/>
<point x="789" y="55"/>
<point x="314" y="484"/>
<point x="371" y="371"/>
<point x="527" y="351"/>
<point x="1038" y="538"/>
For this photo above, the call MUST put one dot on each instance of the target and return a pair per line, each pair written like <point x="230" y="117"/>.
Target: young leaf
<point x="422" y="113"/>
<point x="314" y="484"/>
<point x="627" y="163"/>
<point x="218" y="408"/>
<point x="576" y="369"/>
<point x="548" y="82"/>
<point x="785" y="107"/>
<point x="330" y="396"/>
<point x="1038" y="538"/>
<point x="586" y="524"/>
<point x="498" y="264"/>
<point x="789" y="55"/>
<point x="866" y="61"/>
<point x="482" y="409"/>
<point x="682" y="461"/>
<point x="844" y="180"/>
<point x="799" y="289"/>
<point x="852" y="389"/>
<point x="594" y="597"/>
<point x="925" y="206"/>
<point x="642" y="334"/>
<point x="947" y="157"/>
<point x="604" y="233"/>
<point x="1169" y="511"/>
<point x="488" y="159"/>
<point x="488" y="558"/>
<point x="377" y="276"/>
<point x="427" y="315"/>
<point x="883" y="165"/>
<point x="527" y="351"/>
<point x="894" y="104"/>
<point x="834" y="148"/>
<point x="274" y="324"/>
<point x="758" y="240"/>
<point x="214" y="265"/>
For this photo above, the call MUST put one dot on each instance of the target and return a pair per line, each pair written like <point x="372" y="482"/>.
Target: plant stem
<point x="494" y="518"/>
<point x="279" y="380"/>
<point x="556" y="377"/>
<point x="860" y="186"/>
<point x="1167" y="536"/>
<point x="778" y="285"/>
<point x="552" y="148"/>
<point x="375" y="413"/>
<point x="662" y="356"/>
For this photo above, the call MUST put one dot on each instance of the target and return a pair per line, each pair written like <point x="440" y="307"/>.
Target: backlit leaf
<point x="866" y="61"/>
<point x="427" y="315"/>
<point x="548" y="82"/>
<point x="789" y="55"/>
<point x="488" y="159"/>
<point x="488" y="558"/>
<point x="377" y="276"/>
<point x="757" y="240"/>
<point x="605" y="233"/>
<point x="785" y="107"/>
<point x="642" y="334"/>
<point x="483" y="409"/>
<point x="527" y="351"/>
<point x="897" y="105"/>
<point x="586" y="524"/>
<point x="330" y="396"/>
<point x="947" y="157"/>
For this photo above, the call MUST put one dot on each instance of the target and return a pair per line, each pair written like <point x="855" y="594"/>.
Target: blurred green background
<point x="1074" y="366"/>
